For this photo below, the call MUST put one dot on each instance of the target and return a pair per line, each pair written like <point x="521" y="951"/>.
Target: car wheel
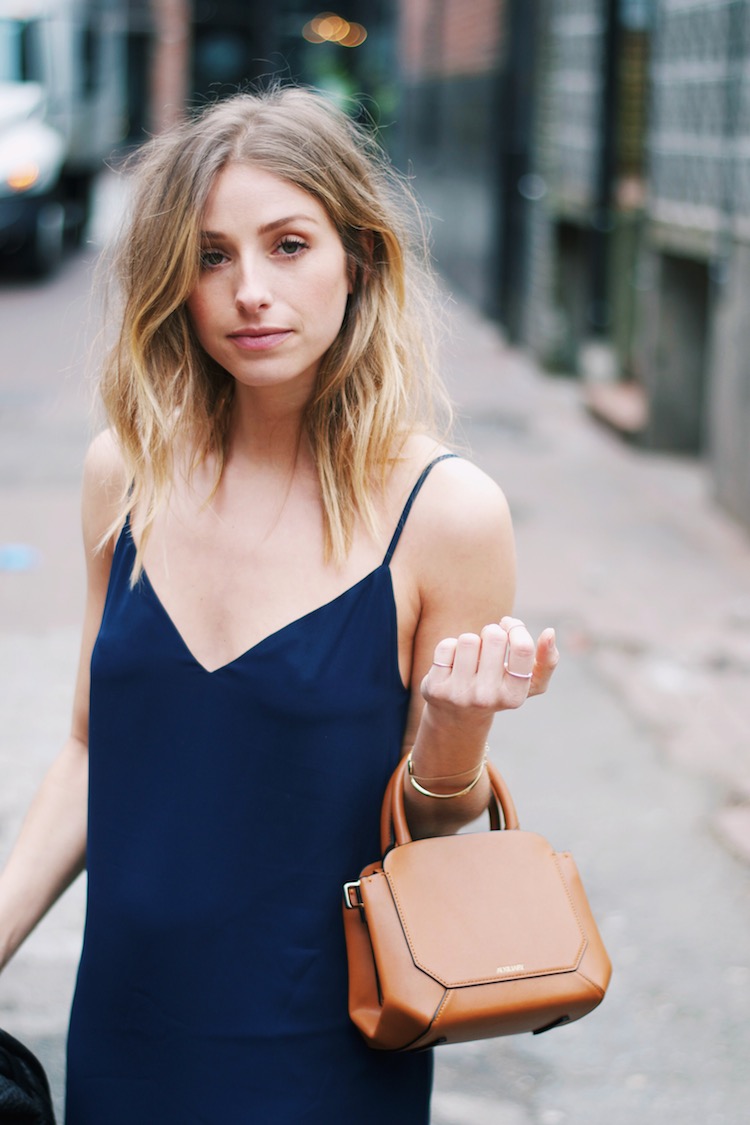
<point x="45" y="249"/>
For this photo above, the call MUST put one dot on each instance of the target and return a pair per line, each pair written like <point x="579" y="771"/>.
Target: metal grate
<point x="699" y="136"/>
<point x="576" y="30"/>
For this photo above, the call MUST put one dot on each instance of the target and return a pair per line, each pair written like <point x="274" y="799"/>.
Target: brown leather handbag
<point x="471" y="936"/>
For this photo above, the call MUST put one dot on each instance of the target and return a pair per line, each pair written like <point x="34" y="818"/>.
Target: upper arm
<point x="101" y="499"/>
<point x="462" y="552"/>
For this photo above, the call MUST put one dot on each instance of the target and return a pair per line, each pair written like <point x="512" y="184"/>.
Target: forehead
<point x="243" y="191"/>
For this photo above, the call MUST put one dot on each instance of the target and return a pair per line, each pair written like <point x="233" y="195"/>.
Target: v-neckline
<point x="126" y="535"/>
<point x="275" y="633"/>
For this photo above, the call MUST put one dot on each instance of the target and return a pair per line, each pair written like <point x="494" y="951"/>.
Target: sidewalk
<point x="625" y="552"/>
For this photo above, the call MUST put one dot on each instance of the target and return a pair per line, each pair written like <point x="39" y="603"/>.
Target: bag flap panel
<point x="498" y="898"/>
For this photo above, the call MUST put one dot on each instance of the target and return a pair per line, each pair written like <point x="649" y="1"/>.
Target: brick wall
<point x="448" y="38"/>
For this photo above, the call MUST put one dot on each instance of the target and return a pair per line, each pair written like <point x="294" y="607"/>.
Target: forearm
<point x="446" y="759"/>
<point x="50" y="850"/>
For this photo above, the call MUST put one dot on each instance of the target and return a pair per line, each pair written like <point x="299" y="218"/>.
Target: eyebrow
<point x="266" y="228"/>
<point x="285" y="221"/>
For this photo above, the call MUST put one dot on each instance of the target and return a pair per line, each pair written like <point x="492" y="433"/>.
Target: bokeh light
<point x="327" y="27"/>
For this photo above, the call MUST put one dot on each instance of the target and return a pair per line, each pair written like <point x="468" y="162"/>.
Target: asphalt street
<point x="637" y="761"/>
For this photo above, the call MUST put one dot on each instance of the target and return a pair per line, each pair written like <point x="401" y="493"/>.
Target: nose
<point x="252" y="287"/>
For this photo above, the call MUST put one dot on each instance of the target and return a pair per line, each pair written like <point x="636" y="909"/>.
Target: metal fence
<point x="699" y="133"/>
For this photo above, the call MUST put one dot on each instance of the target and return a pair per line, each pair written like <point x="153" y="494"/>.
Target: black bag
<point x="24" y="1090"/>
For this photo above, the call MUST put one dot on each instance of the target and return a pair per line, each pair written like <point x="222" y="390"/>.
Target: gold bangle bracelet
<point x="443" y="796"/>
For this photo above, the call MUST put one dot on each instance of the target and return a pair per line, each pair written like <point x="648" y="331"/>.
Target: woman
<point x="291" y="583"/>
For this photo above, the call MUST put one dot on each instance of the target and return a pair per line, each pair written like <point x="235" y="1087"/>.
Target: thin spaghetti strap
<point x="407" y="506"/>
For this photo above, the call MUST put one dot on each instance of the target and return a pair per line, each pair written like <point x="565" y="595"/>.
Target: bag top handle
<point x="393" y="823"/>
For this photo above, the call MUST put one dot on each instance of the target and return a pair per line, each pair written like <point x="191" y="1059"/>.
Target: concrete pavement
<point x="637" y="760"/>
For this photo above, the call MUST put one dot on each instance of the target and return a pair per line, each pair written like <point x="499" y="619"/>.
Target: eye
<point x="210" y="259"/>
<point x="290" y="246"/>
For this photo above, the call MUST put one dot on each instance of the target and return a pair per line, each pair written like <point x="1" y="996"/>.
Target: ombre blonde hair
<point x="376" y="384"/>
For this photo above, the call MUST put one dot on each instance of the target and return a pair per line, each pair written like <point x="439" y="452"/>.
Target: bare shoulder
<point x="460" y="505"/>
<point x="104" y="486"/>
<point x="466" y="496"/>
<point x="458" y="547"/>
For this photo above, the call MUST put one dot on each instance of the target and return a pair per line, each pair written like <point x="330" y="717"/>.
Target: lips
<point x="259" y="339"/>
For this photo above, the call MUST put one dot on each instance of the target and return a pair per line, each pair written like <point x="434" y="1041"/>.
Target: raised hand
<point x="497" y="670"/>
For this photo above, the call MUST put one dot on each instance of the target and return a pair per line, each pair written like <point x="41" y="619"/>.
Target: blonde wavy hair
<point x="377" y="382"/>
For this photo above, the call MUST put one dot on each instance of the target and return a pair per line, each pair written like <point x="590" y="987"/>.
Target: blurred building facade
<point x="586" y="162"/>
<point x="592" y="158"/>
<point x="185" y="52"/>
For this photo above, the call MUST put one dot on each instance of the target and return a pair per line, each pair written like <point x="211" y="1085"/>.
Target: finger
<point x="520" y="652"/>
<point x="509" y="623"/>
<point x="441" y="668"/>
<point x="466" y="658"/>
<point x="443" y="659"/>
<point x="546" y="660"/>
<point x="492" y="654"/>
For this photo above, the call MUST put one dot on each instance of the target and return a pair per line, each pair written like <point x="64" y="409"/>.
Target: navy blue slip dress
<point x="226" y="811"/>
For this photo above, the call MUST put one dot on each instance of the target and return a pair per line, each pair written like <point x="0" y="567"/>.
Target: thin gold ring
<point x="439" y="664"/>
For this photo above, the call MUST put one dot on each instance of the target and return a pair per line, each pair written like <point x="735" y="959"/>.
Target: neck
<point x="266" y="427"/>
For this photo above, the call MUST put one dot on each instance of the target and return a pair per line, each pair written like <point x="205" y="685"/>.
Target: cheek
<point x="202" y="320"/>
<point x="194" y="308"/>
<point x="332" y="303"/>
<point x="200" y="316"/>
<point x="323" y="295"/>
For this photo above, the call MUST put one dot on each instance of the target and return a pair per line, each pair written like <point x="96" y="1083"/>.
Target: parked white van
<point x="62" y="112"/>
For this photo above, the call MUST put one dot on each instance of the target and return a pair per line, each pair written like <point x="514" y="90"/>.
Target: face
<point x="274" y="280"/>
